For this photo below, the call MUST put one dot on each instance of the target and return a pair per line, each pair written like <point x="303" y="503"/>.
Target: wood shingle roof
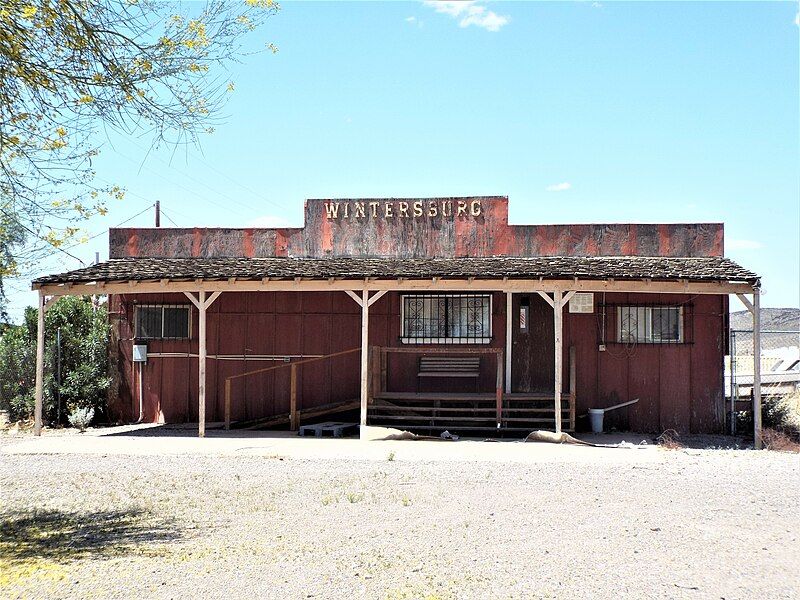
<point x="545" y="267"/>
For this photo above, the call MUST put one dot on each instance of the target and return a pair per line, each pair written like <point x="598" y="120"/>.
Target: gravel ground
<point x="693" y="524"/>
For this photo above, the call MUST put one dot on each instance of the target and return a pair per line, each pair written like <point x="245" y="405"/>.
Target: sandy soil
<point x="657" y="523"/>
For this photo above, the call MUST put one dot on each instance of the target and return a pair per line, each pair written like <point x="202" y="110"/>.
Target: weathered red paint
<point x="486" y="234"/>
<point x="678" y="386"/>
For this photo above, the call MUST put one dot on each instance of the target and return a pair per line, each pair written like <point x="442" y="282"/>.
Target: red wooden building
<point x="421" y="314"/>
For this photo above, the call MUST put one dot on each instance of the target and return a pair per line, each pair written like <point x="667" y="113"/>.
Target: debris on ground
<point x="407" y="435"/>
<point x="670" y="439"/>
<point x="565" y="438"/>
<point x="446" y="435"/>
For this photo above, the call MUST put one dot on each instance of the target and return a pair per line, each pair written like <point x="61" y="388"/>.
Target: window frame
<point x="447" y="340"/>
<point x="648" y="326"/>
<point x="189" y="311"/>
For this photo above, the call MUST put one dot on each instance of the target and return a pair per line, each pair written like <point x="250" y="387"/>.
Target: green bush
<point x="778" y="413"/>
<point x="84" y="361"/>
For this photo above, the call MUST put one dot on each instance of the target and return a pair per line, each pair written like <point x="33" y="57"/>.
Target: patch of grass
<point x="330" y="499"/>
<point x="60" y="536"/>
<point x="354" y="497"/>
<point x="406" y="501"/>
<point x="391" y="456"/>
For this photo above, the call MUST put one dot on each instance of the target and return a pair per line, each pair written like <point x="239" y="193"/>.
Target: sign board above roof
<point x="420" y="227"/>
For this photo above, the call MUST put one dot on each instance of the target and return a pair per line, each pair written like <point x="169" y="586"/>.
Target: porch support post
<point x="202" y="306"/>
<point x="755" y="309"/>
<point x="201" y="362"/>
<point x="37" y="423"/>
<point x="364" y="354"/>
<point x="558" y="307"/>
<point x="509" y="334"/>
<point x="757" y="368"/>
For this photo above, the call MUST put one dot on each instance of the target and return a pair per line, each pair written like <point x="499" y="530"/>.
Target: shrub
<point x="780" y="414"/>
<point x="81" y="417"/>
<point x="84" y="360"/>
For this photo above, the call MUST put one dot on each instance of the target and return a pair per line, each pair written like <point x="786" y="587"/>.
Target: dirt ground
<point x="408" y="521"/>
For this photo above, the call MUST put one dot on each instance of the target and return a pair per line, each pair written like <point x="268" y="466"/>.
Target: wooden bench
<point x="449" y="366"/>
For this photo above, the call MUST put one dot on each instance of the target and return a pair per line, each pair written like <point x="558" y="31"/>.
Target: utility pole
<point x="158" y="213"/>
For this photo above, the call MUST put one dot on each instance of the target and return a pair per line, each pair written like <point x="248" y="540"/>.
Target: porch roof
<point x="705" y="269"/>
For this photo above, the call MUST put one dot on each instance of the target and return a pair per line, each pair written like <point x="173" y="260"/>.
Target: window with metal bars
<point x="650" y="324"/>
<point x="446" y="318"/>
<point x="163" y="321"/>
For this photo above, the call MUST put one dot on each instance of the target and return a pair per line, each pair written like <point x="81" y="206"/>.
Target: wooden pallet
<point x="329" y="429"/>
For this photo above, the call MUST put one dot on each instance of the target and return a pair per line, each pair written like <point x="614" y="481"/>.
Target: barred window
<point x="447" y="319"/>
<point x="650" y="324"/>
<point x="155" y="322"/>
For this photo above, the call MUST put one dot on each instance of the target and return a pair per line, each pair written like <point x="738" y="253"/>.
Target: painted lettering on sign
<point x="401" y="209"/>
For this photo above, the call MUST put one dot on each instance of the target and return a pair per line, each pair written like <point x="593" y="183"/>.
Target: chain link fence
<point x="780" y="372"/>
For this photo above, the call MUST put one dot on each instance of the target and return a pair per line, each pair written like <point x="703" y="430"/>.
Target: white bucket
<point x="596" y="419"/>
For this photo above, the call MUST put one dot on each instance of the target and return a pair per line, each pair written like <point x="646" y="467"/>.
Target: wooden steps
<point x="468" y="412"/>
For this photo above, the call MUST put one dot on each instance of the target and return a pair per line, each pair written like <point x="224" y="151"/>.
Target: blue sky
<point x="578" y="111"/>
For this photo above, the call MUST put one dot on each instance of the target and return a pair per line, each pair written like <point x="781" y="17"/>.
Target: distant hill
<point x="772" y="319"/>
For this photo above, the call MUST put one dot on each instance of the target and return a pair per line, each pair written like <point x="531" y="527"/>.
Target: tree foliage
<point x="84" y="362"/>
<point x="71" y="67"/>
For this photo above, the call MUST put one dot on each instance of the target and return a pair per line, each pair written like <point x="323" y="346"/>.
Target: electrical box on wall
<point x="582" y="302"/>
<point x="140" y="353"/>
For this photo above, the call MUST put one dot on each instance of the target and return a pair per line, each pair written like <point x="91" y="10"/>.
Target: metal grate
<point x="447" y="318"/>
<point x="639" y="323"/>
<point x="162" y="321"/>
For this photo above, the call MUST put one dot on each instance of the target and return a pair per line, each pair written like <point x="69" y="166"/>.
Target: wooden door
<point x="532" y="348"/>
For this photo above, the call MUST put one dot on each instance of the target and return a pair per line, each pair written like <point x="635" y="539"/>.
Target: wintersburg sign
<point x="388" y="209"/>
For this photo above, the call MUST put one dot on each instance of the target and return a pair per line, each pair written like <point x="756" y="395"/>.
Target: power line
<point x="96" y="235"/>
<point x="221" y="173"/>
<point x="163" y="212"/>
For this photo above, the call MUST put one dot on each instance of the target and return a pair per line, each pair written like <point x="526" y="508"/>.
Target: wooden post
<point x="364" y="354"/>
<point x="294" y="422"/>
<point x="499" y="389"/>
<point x="227" y="404"/>
<point x="572" y="387"/>
<point x="383" y="385"/>
<point x="37" y="423"/>
<point x="557" y="309"/>
<point x="509" y="336"/>
<point x="757" y="368"/>
<point x="201" y="362"/>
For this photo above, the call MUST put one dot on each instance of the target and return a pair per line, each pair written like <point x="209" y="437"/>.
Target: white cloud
<point x="559" y="187"/>
<point x="797" y="19"/>
<point x="413" y="21"/>
<point x="737" y="244"/>
<point x="269" y="221"/>
<point x="410" y="19"/>
<point x="469" y="12"/>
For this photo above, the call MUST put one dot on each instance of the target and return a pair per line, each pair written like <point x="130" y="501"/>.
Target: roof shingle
<point x="549" y="267"/>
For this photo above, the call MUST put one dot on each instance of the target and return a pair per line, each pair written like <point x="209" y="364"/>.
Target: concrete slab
<point x="160" y="440"/>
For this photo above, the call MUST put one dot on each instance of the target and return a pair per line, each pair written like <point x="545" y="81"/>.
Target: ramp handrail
<point x="292" y="365"/>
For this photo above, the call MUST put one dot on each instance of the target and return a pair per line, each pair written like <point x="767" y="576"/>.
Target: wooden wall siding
<point x="678" y="386"/>
<point x="488" y="234"/>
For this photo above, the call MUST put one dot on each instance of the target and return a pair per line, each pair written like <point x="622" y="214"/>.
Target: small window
<point x="447" y="319"/>
<point x="650" y="324"/>
<point x="155" y="322"/>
